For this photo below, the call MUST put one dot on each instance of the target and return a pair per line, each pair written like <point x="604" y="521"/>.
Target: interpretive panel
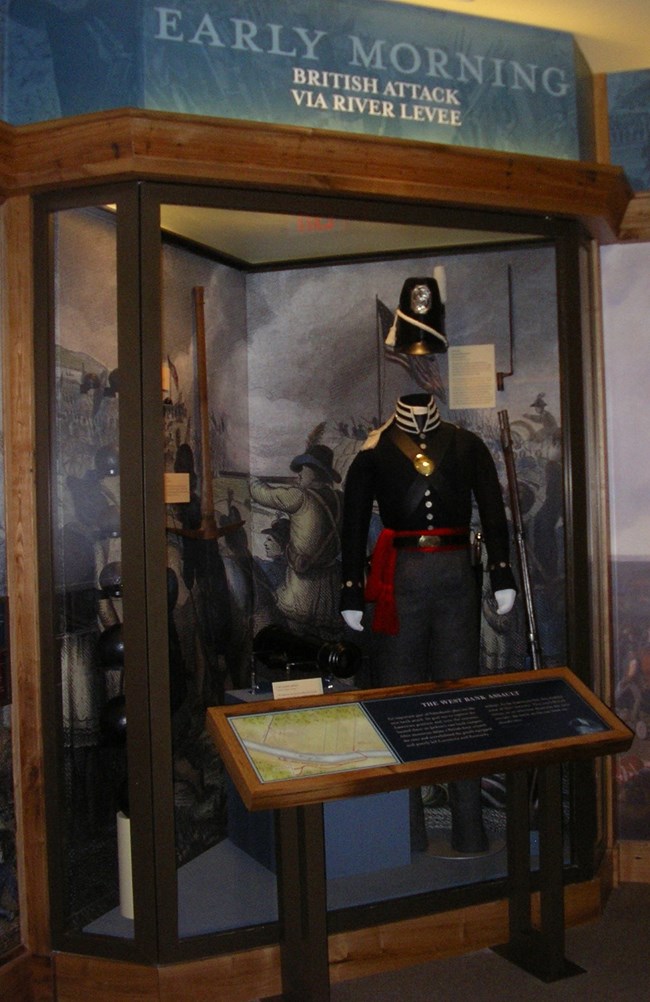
<point x="320" y="748"/>
<point x="484" y="719"/>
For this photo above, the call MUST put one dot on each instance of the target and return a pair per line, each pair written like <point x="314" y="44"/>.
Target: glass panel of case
<point x="211" y="576"/>
<point x="87" y="570"/>
<point x="295" y="376"/>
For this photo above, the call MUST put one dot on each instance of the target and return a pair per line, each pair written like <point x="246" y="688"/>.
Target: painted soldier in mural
<point x="308" y="595"/>
<point x="271" y="571"/>
<point x="424" y="474"/>
<point x="274" y="564"/>
<point x="542" y="417"/>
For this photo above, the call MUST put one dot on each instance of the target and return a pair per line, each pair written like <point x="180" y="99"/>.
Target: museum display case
<point x="193" y="344"/>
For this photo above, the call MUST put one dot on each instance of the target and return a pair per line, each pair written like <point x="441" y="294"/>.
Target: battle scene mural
<point x="627" y="363"/>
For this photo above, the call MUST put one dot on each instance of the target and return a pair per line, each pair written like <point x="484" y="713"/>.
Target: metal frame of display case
<point x="149" y="741"/>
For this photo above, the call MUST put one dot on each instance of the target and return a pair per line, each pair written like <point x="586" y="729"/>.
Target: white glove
<point x="353" y="618"/>
<point x="505" y="599"/>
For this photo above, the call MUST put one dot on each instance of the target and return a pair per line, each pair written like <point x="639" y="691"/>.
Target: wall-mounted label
<point x="368" y="66"/>
<point x="472" y="377"/>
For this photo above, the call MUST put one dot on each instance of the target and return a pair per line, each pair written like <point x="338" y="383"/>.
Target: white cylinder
<point x="124" y="864"/>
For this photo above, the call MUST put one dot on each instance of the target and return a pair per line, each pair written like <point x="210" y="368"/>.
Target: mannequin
<point x="426" y="623"/>
<point x="504" y="597"/>
<point x="424" y="474"/>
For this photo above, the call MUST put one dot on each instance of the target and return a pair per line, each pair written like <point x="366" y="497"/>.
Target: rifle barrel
<point x="520" y="540"/>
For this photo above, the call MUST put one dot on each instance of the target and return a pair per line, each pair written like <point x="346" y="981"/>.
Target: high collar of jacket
<point x="416" y="414"/>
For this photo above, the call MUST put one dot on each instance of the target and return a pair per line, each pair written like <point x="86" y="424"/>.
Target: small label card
<point x="472" y="377"/>
<point x="177" y="488"/>
<point x="298" y="687"/>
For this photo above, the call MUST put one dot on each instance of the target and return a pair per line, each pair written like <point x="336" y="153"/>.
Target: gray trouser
<point x="438" y="606"/>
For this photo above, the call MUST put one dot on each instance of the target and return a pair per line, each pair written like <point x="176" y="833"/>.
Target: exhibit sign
<point x="628" y="106"/>
<point x="323" y="748"/>
<point x="484" y="719"/>
<point x="370" y="66"/>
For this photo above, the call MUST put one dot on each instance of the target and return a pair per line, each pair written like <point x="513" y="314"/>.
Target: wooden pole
<point x="208" y="523"/>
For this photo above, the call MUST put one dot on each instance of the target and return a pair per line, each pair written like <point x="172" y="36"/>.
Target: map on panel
<point x="291" y="744"/>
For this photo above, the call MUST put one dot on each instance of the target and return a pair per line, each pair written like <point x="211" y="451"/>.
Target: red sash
<point x="380" y="586"/>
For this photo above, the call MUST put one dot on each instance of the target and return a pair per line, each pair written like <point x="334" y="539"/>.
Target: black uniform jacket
<point x="407" y="500"/>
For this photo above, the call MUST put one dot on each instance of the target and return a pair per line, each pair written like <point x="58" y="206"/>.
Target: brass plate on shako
<point x="423" y="464"/>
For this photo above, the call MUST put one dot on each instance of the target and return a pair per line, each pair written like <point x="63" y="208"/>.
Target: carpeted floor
<point x="614" y="952"/>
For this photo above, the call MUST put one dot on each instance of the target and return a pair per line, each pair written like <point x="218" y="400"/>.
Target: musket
<point x="208" y="528"/>
<point x="204" y="571"/>
<point x="520" y="541"/>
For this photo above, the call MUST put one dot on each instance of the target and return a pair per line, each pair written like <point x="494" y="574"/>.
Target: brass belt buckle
<point x="428" y="541"/>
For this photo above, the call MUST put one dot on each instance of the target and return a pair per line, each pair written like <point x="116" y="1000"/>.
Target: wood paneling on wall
<point x="635" y="225"/>
<point x="22" y="578"/>
<point x="252" y="974"/>
<point x="633" y="862"/>
<point x="127" y="144"/>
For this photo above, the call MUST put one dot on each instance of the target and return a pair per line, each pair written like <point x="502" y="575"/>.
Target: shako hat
<point x="419" y="324"/>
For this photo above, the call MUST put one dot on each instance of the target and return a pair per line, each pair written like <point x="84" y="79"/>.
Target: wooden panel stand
<point x="538" y="951"/>
<point x="302" y="890"/>
<point x="298" y="800"/>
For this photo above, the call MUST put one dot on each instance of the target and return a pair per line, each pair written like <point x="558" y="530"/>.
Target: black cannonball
<point x="110" y="579"/>
<point x="112" y="721"/>
<point x="110" y="647"/>
<point x="107" y="461"/>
